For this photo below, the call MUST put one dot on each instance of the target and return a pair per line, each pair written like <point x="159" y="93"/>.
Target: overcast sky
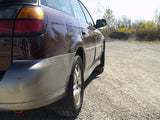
<point x="134" y="9"/>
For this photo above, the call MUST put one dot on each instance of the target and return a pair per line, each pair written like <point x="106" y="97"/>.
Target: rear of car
<point x="32" y="70"/>
<point x="10" y="25"/>
<point x="47" y="50"/>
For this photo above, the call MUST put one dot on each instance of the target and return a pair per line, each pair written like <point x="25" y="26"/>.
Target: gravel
<point x="129" y="88"/>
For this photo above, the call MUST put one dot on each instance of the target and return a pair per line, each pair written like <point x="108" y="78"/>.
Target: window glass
<point x="17" y="1"/>
<point x="62" y="5"/>
<point x="78" y="11"/>
<point x="88" y="17"/>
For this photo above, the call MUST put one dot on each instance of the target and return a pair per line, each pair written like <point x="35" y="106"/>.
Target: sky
<point x="134" y="9"/>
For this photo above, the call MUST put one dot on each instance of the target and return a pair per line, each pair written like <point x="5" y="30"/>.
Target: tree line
<point x="124" y="27"/>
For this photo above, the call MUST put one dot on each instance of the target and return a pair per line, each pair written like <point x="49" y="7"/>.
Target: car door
<point x="87" y="34"/>
<point x="95" y="32"/>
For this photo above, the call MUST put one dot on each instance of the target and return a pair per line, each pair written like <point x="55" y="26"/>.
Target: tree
<point x="124" y="22"/>
<point x="109" y="17"/>
<point x="157" y="18"/>
<point x="147" y="31"/>
<point x="148" y="27"/>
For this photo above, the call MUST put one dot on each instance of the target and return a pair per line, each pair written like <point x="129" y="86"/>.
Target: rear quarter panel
<point x="61" y="38"/>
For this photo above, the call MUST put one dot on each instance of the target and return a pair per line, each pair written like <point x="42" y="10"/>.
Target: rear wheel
<point x="71" y="105"/>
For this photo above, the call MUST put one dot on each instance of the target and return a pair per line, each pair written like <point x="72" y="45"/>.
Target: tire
<point x="100" y="68"/>
<point x="70" y="106"/>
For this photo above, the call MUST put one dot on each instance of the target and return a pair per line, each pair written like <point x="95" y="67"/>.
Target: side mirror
<point x="101" y="23"/>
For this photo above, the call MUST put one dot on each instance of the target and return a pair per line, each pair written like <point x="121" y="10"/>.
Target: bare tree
<point x="157" y="17"/>
<point x="109" y="17"/>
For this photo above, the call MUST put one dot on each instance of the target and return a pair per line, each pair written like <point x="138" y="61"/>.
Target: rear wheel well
<point x="80" y="52"/>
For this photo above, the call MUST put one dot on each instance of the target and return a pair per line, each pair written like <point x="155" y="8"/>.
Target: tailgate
<point x="7" y="17"/>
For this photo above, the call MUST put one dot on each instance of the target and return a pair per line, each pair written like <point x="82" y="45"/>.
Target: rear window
<point x="62" y="5"/>
<point x="17" y="1"/>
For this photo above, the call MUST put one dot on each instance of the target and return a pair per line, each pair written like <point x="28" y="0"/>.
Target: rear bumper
<point x="30" y="84"/>
<point x="35" y="103"/>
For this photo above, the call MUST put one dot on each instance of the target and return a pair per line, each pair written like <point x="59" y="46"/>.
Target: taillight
<point x="29" y="21"/>
<point x="28" y="26"/>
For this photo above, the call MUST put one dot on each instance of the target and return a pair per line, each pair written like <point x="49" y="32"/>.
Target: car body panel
<point x="5" y="53"/>
<point x="48" y="99"/>
<point x="28" y="80"/>
<point x="99" y="44"/>
<point x="59" y="38"/>
<point x="7" y="13"/>
<point x="38" y="67"/>
<point x="89" y="40"/>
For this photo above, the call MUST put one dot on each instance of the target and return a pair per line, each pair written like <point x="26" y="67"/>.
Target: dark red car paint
<point x="62" y="34"/>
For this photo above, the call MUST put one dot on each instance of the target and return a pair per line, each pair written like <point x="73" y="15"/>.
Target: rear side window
<point x="62" y="5"/>
<point x="88" y="16"/>
<point x="17" y="1"/>
<point x="78" y="11"/>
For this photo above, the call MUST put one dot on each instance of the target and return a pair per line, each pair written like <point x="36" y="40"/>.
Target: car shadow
<point x="41" y="114"/>
<point x="93" y="76"/>
<point x="33" y="115"/>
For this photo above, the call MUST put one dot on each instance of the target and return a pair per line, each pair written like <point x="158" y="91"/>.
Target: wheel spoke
<point x="79" y="81"/>
<point x="74" y="79"/>
<point x="77" y="84"/>
<point x="74" y="87"/>
<point x="77" y="71"/>
<point x="79" y="89"/>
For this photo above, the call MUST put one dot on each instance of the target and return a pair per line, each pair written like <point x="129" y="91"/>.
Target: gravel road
<point x="129" y="88"/>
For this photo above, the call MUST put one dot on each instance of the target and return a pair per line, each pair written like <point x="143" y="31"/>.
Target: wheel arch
<point x="81" y="53"/>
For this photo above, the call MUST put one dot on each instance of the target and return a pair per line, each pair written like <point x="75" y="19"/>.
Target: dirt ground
<point x="129" y="88"/>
